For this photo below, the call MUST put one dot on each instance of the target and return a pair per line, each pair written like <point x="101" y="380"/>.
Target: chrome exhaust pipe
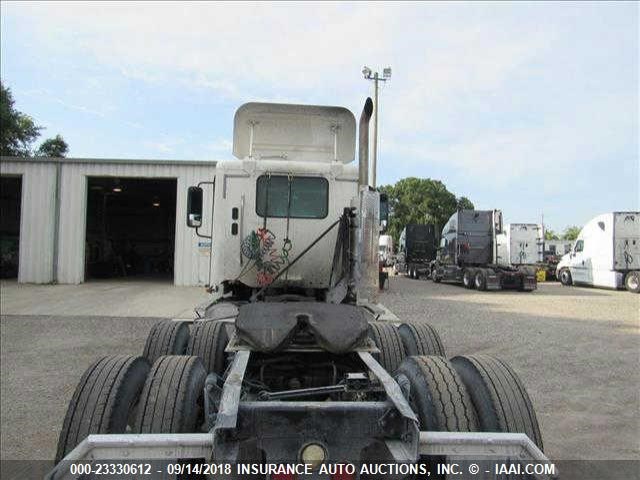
<point x="363" y="143"/>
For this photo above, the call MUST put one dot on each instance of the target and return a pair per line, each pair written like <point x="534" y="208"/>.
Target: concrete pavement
<point x="110" y="298"/>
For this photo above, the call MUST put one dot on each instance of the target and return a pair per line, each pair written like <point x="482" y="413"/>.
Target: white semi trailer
<point x="520" y="244"/>
<point x="294" y="361"/>
<point x="605" y="254"/>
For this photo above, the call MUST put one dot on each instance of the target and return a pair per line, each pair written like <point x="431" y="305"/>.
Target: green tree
<point x="571" y="233"/>
<point x="53" y="147"/>
<point x="420" y="200"/>
<point x="465" y="204"/>
<point x="550" y="235"/>
<point x="17" y="130"/>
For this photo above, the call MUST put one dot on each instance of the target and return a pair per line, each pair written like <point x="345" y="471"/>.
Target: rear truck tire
<point x="632" y="282"/>
<point x="173" y="396"/>
<point x="387" y="338"/>
<point x="421" y="339"/>
<point x="480" y="280"/>
<point x="208" y="341"/>
<point x="434" y="276"/>
<point x="498" y="395"/>
<point x="467" y="278"/>
<point x="166" y="338"/>
<point x="565" y="277"/>
<point x="103" y="401"/>
<point x="437" y="394"/>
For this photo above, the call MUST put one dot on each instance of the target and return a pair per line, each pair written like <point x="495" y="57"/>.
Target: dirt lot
<point x="576" y="349"/>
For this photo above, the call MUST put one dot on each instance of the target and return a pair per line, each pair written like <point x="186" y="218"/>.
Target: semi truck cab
<point x="605" y="254"/>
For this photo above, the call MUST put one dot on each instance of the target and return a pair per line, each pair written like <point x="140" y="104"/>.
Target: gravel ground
<point x="576" y="349"/>
<point x="42" y="359"/>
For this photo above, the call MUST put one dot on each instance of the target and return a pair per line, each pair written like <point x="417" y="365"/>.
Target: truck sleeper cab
<point x="606" y="253"/>
<point x="469" y="254"/>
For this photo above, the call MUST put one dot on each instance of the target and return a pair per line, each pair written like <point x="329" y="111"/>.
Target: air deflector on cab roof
<point x="273" y="131"/>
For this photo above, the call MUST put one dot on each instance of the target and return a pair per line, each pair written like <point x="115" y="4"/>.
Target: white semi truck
<point x="385" y="250"/>
<point x="605" y="254"/>
<point x="294" y="361"/>
<point x="520" y="244"/>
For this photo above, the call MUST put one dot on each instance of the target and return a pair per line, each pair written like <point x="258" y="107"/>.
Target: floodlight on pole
<point x="375" y="76"/>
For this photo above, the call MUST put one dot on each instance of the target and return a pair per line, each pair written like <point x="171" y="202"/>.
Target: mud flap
<point x="494" y="282"/>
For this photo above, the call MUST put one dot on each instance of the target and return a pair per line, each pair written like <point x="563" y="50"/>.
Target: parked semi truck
<point x="605" y="254"/>
<point x="417" y="249"/>
<point x="470" y="253"/>
<point x="385" y="250"/>
<point x="294" y="360"/>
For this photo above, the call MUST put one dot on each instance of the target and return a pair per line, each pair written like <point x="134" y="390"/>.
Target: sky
<point x="531" y="108"/>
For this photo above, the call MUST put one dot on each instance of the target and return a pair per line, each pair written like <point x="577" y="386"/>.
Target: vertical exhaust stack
<point x="368" y="222"/>
<point x="363" y="143"/>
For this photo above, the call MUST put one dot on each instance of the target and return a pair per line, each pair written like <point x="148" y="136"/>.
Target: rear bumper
<point x="461" y="448"/>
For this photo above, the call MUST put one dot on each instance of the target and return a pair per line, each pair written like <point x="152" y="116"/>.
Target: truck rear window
<point x="309" y="196"/>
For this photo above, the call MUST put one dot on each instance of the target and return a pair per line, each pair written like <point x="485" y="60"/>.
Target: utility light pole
<point x="371" y="75"/>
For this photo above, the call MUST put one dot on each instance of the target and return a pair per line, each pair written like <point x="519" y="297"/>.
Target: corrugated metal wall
<point x="37" y="219"/>
<point x="191" y="261"/>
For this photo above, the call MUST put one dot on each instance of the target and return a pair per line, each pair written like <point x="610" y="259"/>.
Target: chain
<point x="286" y="246"/>
<point x="266" y="202"/>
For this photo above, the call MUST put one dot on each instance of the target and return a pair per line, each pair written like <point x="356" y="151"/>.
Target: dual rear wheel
<point x="475" y="278"/>
<point x="122" y="394"/>
<point x="468" y="278"/>
<point x="466" y="394"/>
<point x="158" y="392"/>
<point x="434" y="275"/>
<point x="480" y="280"/>
<point x="395" y="343"/>
<point x="104" y="400"/>
<point x="207" y="340"/>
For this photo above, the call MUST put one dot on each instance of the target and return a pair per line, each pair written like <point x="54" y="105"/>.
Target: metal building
<point x="66" y="220"/>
